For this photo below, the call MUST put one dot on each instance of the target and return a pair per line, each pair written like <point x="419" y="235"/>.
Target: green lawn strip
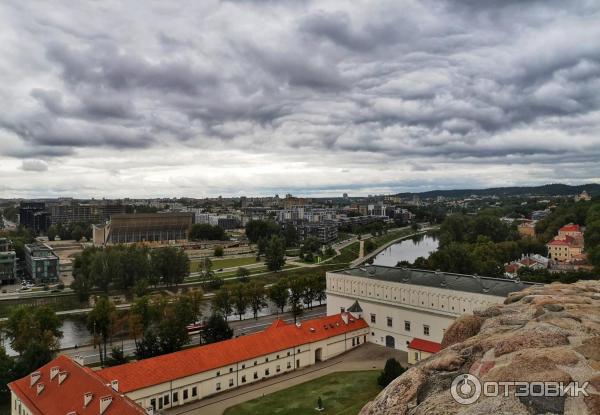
<point x="342" y="393"/>
<point x="196" y="266"/>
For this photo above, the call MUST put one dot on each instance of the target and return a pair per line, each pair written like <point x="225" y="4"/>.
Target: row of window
<point x="165" y="400"/>
<point x="390" y="323"/>
<point x="243" y="366"/>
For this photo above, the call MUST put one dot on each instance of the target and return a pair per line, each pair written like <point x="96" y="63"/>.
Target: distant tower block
<point x="361" y="250"/>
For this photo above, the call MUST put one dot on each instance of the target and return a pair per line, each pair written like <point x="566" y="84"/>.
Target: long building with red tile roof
<point x="182" y="377"/>
<point x="567" y="245"/>
<point x="63" y="387"/>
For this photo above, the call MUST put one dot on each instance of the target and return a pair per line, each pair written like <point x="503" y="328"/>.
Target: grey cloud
<point x="463" y="82"/>
<point x="34" y="165"/>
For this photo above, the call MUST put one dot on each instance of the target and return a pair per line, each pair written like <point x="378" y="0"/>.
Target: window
<point x="373" y="318"/>
<point x="267" y="359"/>
<point x="416" y="356"/>
<point x="298" y="350"/>
<point x="166" y="399"/>
<point x="255" y="363"/>
<point x="230" y="383"/>
<point x="243" y="366"/>
<point x="407" y="325"/>
<point x="278" y="369"/>
<point x="255" y="375"/>
<point x="175" y="396"/>
<point x="153" y="403"/>
<point x="243" y="379"/>
<point x="266" y="372"/>
<point x="389" y="322"/>
<point x="426" y="329"/>
<point x="185" y="394"/>
<point x="218" y="373"/>
<point x="289" y="365"/>
<point x="194" y="391"/>
<point x="289" y="353"/>
<point x="353" y="342"/>
<point x="218" y="386"/>
<point x="342" y="309"/>
<point x="230" y="370"/>
<point x="277" y="356"/>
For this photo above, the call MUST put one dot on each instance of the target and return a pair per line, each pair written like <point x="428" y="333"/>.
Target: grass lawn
<point x="224" y="263"/>
<point x="343" y="393"/>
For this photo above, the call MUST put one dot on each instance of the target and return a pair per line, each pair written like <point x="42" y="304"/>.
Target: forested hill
<point x="545" y="190"/>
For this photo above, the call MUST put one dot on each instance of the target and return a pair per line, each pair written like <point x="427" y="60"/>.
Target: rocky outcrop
<point x="544" y="333"/>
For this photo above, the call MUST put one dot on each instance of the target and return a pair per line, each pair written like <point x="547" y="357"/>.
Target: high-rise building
<point x="41" y="263"/>
<point x="8" y="262"/>
<point x="34" y="216"/>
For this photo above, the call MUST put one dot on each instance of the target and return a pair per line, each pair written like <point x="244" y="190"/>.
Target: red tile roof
<point x="66" y="397"/>
<point x="570" y="228"/>
<point x="566" y="240"/>
<point x="278" y="337"/>
<point x="424" y="345"/>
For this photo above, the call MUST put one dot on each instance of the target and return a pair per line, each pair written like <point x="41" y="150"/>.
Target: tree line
<point x="297" y="293"/>
<point x="130" y="269"/>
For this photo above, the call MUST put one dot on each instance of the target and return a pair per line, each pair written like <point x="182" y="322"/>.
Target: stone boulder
<point x="544" y="333"/>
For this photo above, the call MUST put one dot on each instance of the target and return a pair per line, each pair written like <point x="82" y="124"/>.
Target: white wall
<point x="420" y="306"/>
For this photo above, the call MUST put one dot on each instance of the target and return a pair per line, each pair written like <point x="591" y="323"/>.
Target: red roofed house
<point x="182" y="377"/>
<point x="567" y="245"/>
<point x="419" y="349"/>
<point x="64" y="387"/>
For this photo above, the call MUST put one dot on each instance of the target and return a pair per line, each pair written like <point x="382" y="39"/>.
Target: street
<point x="91" y="356"/>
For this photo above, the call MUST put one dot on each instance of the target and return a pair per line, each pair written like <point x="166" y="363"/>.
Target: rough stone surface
<point x="545" y="333"/>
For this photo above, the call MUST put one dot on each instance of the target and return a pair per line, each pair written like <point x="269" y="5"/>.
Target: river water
<point x="75" y="330"/>
<point x="407" y="250"/>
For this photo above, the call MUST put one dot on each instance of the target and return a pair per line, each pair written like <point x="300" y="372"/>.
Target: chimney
<point x="40" y="388"/>
<point x="345" y="318"/>
<point x="35" y="376"/>
<point x="105" y="402"/>
<point x="87" y="398"/>
<point x="78" y="359"/>
<point x="54" y="371"/>
<point x="115" y="385"/>
<point x="62" y="376"/>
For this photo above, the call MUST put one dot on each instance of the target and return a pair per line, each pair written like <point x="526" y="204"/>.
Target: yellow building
<point x="567" y="245"/>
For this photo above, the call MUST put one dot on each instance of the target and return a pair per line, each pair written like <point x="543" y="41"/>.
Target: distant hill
<point x="545" y="190"/>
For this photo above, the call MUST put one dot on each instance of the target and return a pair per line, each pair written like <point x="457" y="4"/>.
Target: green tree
<point x="279" y="294"/>
<point x="391" y="371"/>
<point x="52" y="232"/>
<point x="296" y="291"/>
<point x="171" y="264"/>
<point x="240" y="299"/>
<point x="216" y="330"/>
<point x="219" y="251"/>
<point x="256" y="297"/>
<point x="243" y="274"/>
<point x="275" y="253"/>
<point x="27" y="326"/>
<point x="222" y="301"/>
<point x="100" y="323"/>
<point x="257" y="229"/>
<point x="206" y="232"/>
<point x="290" y="234"/>
<point x="7" y="372"/>
<point x="117" y="357"/>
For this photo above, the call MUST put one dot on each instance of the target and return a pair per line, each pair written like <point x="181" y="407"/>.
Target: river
<point x="407" y="250"/>
<point x="75" y="330"/>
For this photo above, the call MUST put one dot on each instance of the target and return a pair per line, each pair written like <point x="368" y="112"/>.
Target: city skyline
<point x="309" y="98"/>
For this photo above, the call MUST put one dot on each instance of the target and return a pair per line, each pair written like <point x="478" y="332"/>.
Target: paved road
<point x="366" y="357"/>
<point x="91" y="356"/>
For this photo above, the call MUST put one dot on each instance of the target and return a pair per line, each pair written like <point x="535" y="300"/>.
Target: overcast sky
<point x="206" y="98"/>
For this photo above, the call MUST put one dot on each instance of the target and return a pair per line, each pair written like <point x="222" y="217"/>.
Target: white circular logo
<point x="465" y="389"/>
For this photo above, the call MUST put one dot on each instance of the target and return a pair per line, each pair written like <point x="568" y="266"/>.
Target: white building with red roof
<point x="567" y="245"/>
<point x="175" y="379"/>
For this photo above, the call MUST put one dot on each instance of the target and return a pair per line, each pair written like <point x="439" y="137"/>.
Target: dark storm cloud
<point x="468" y="82"/>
